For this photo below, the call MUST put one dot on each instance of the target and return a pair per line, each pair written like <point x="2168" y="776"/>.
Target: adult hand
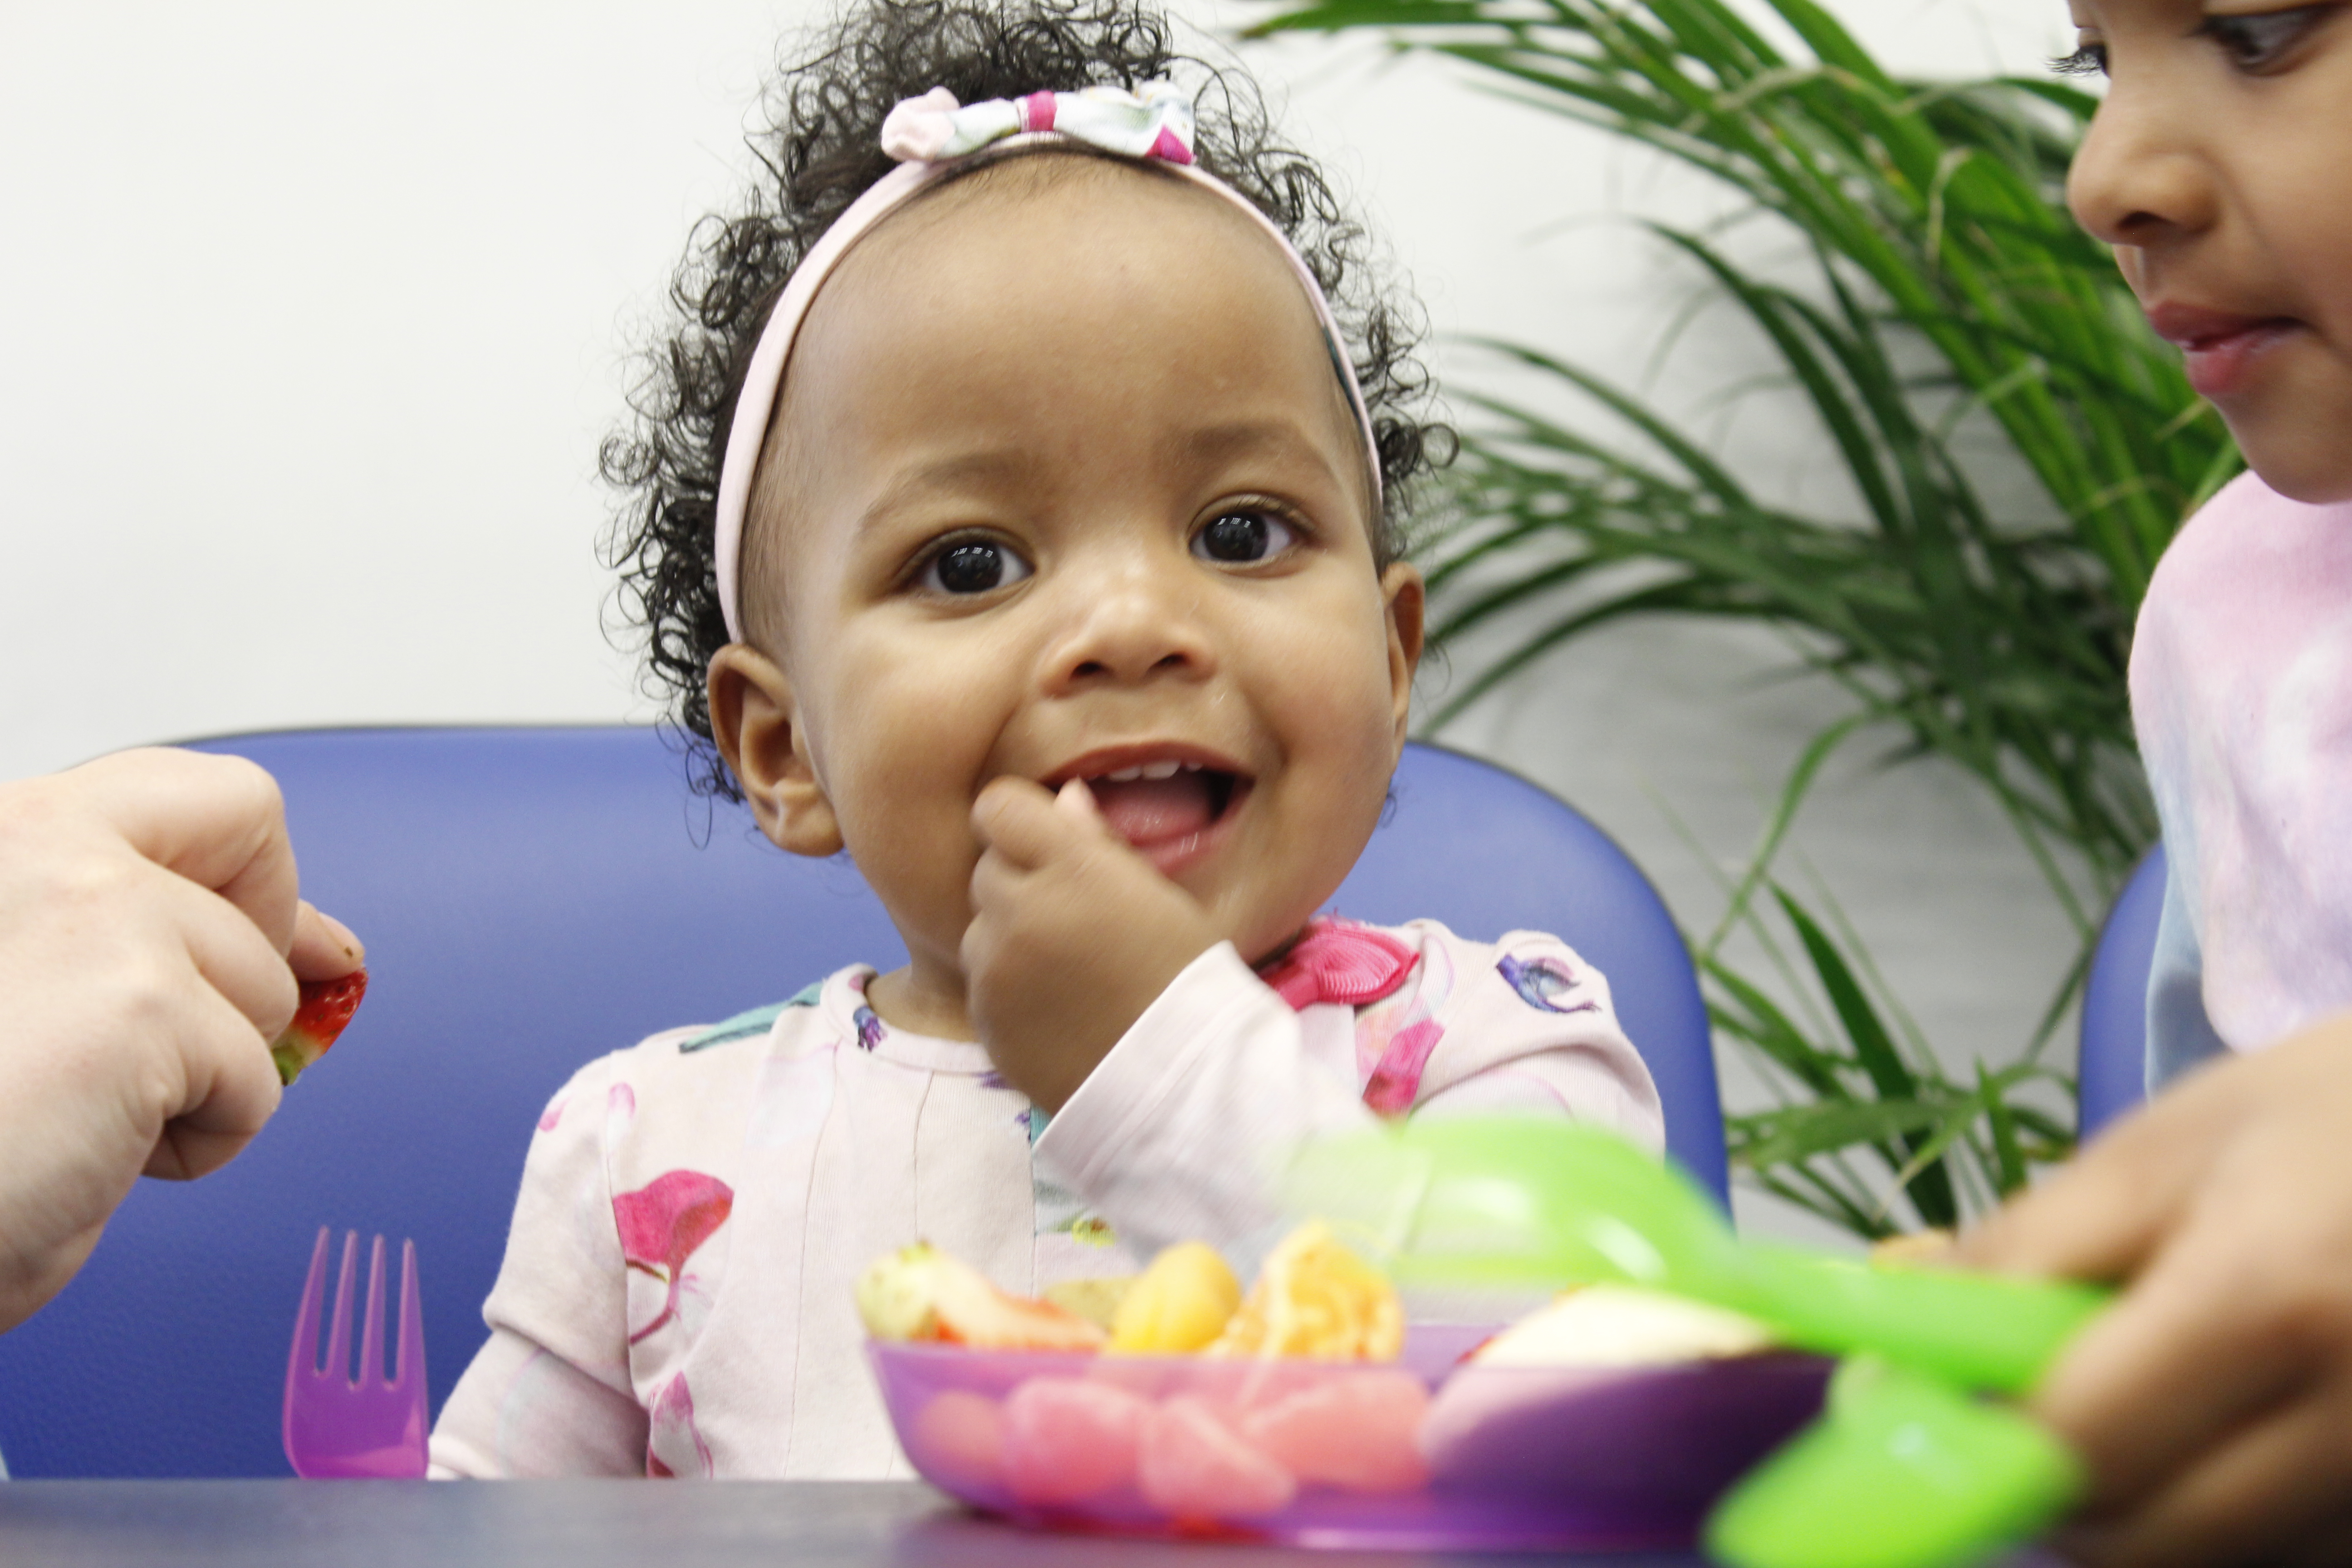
<point x="2213" y="1402"/>
<point x="151" y="938"/>
<point x="1073" y="935"/>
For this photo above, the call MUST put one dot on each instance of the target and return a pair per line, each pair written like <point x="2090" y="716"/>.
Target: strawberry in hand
<point x="326" y="1006"/>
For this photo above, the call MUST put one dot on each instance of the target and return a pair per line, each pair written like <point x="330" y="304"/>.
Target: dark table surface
<point x="580" y="1525"/>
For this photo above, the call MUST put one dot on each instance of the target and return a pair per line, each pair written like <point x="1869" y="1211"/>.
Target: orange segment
<point x="1316" y="1299"/>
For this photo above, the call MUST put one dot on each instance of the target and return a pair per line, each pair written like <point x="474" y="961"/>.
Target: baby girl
<point x="1019" y="509"/>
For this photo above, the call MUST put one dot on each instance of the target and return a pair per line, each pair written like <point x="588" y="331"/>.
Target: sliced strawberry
<point x="327" y="1006"/>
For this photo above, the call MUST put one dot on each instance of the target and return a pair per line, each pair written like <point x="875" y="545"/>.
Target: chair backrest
<point x="2114" y="1059"/>
<point x="533" y="898"/>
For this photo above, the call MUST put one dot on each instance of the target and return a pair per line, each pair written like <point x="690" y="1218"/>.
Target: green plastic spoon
<point x="1519" y="1200"/>
<point x="1902" y="1469"/>
<point x="1907" y="1469"/>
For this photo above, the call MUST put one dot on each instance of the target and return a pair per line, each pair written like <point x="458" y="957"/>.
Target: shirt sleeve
<point x="1183" y="1130"/>
<point x="1180" y="1132"/>
<point x="550" y="1394"/>
<point x="1527" y="1024"/>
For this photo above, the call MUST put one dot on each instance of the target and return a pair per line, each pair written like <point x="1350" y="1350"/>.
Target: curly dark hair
<point x="820" y="148"/>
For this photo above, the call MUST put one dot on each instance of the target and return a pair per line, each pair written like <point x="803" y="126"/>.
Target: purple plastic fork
<point x="373" y="1426"/>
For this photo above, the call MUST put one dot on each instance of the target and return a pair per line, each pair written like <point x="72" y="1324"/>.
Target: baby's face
<point x="1063" y="486"/>
<point x="2220" y="167"/>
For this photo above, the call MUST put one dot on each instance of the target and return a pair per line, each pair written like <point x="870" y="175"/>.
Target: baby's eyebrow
<point x="990" y="469"/>
<point x="1236" y="439"/>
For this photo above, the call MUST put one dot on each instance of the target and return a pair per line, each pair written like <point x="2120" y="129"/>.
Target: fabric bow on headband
<point x="930" y="136"/>
<point x="1153" y="123"/>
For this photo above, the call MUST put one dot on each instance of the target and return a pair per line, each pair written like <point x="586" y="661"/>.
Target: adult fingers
<point x="2208" y="1338"/>
<point x="217" y="821"/>
<point x="2276" y="1491"/>
<point x="228" y="1091"/>
<point x="233" y="955"/>
<point x="2105" y="1214"/>
<point x="324" y="947"/>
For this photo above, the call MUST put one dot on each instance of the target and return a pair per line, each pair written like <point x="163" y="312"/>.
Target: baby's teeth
<point x="1160" y="770"/>
<point x="1125" y="775"/>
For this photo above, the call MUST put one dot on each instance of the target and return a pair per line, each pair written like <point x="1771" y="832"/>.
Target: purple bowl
<point x="1424" y="1454"/>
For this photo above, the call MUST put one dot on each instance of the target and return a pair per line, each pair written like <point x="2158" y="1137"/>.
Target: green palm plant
<point x="1945" y="292"/>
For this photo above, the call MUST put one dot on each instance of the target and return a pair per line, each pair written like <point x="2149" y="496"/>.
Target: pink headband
<point x="930" y="136"/>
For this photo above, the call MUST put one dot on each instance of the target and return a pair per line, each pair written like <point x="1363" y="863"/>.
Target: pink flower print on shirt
<point x="674" y="1445"/>
<point x="554" y="1111"/>
<point x="1540" y="981"/>
<point x="661" y="1225"/>
<point x="1339" y="961"/>
<point x="1395" y="1082"/>
<point x="1396" y="1039"/>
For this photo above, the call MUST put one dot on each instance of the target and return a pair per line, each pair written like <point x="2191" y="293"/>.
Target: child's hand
<point x="1073" y="934"/>
<point x="2214" y="1401"/>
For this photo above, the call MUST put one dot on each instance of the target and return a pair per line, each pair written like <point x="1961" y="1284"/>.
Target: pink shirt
<point x="2242" y="694"/>
<point x="677" y="1295"/>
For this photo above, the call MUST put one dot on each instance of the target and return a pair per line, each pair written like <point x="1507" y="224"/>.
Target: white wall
<point x="310" y="317"/>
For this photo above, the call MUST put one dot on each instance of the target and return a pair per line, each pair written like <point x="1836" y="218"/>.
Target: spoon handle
<point x="1975" y="1331"/>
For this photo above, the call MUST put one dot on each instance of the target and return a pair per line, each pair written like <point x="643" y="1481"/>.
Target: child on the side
<point x="1014" y="510"/>
<point x="2215" y="1403"/>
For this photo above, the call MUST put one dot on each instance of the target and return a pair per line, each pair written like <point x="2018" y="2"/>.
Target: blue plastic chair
<point x="2114" y="1059"/>
<point x="533" y="898"/>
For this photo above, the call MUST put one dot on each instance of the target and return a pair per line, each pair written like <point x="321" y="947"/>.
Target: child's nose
<point x="2139" y="178"/>
<point x="1127" y="625"/>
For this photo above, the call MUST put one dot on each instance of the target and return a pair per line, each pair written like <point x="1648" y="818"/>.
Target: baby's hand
<point x="2214" y="1401"/>
<point x="1073" y="934"/>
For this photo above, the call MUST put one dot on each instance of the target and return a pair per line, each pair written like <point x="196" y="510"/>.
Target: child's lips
<point x="2220" y="349"/>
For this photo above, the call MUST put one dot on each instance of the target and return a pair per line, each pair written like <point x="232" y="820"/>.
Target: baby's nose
<point x="1128" y="626"/>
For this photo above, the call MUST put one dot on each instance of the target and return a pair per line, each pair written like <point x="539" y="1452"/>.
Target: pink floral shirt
<point x="677" y="1295"/>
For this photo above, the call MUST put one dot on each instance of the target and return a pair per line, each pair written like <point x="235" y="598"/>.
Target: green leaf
<point x="1785" y="1136"/>
<point x="2011" y="1168"/>
<point x="1930" y="1187"/>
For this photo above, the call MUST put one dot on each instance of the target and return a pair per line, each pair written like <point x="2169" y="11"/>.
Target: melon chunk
<point x="1359" y="1433"/>
<point x="920" y="1293"/>
<point x="959" y="1440"/>
<point x="1194" y="1467"/>
<point x="1066" y="1439"/>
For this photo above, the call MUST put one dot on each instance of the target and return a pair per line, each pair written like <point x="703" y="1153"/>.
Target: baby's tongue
<point x="1148" y="811"/>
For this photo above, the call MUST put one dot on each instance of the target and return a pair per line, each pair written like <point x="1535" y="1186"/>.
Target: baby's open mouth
<point x="1165" y="803"/>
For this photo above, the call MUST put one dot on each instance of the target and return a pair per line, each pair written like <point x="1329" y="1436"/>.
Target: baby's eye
<point x="1244" y="536"/>
<point x="972" y="566"/>
<point x="2257" y="42"/>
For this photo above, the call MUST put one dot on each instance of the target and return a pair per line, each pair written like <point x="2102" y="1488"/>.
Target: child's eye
<point x="972" y="566"/>
<point x="2088" y="60"/>
<point x="2258" y="42"/>
<point x="1244" y="536"/>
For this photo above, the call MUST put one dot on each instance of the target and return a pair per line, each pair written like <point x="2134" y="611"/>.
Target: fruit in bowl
<point x="1302" y="1411"/>
<point x="919" y="1293"/>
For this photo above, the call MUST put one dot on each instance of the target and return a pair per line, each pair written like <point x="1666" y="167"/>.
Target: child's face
<point x="2220" y="167"/>
<point x="1062" y="485"/>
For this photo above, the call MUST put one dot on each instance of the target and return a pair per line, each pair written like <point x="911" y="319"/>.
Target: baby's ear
<point x="1401" y="587"/>
<point x="752" y="718"/>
